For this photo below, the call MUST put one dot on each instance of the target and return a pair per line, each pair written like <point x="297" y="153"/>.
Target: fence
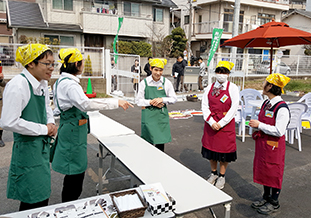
<point x="94" y="64"/>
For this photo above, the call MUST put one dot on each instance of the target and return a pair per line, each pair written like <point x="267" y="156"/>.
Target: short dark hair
<point x="200" y="58"/>
<point x="275" y="90"/>
<point x="136" y="60"/>
<point x="149" y="58"/>
<point x="222" y="70"/>
<point x="41" y="56"/>
<point x="70" y="67"/>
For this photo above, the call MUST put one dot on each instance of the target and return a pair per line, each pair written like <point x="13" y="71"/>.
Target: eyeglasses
<point x="48" y="65"/>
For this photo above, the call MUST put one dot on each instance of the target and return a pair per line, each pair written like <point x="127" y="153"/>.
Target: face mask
<point x="221" y="78"/>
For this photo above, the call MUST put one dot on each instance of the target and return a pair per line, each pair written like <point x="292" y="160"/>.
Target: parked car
<point x="264" y="68"/>
<point x="6" y="56"/>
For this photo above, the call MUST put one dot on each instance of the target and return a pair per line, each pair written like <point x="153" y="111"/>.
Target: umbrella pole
<point x="271" y="55"/>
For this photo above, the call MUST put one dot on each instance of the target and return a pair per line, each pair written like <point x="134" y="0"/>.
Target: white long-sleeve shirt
<point x="202" y="69"/>
<point x="70" y="93"/>
<point x="16" y="96"/>
<point x="234" y="95"/>
<point x="168" y="87"/>
<point x="281" y="120"/>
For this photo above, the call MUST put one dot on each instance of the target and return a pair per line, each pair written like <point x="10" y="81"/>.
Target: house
<point x="210" y="14"/>
<point x="88" y="23"/>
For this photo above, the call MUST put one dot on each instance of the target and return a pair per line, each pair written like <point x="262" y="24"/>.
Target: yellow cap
<point x="227" y="64"/>
<point x="76" y="55"/>
<point x="157" y="62"/>
<point x="27" y="53"/>
<point x="278" y="79"/>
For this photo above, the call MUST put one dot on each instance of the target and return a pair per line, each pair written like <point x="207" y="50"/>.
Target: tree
<point x="140" y="48"/>
<point x="307" y="49"/>
<point x="179" y="42"/>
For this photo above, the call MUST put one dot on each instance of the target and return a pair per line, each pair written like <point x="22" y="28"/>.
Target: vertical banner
<point x="116" y="39"/>
<point x="214" y="44"/>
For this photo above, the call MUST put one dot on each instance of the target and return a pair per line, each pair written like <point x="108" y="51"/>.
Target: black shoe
<point x="2" y="143"/>
<point x="258" y="204"/>
<point x="268" y="208"/>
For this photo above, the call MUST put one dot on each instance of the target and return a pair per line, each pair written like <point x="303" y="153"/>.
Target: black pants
<point x="72" y="187"/>
<point x="273" y="193"/>
<point x="160" y="147"/>
<point x="26" y="206"/>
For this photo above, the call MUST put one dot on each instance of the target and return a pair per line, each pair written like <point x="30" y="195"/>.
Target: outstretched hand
<point x="124" y="104"/>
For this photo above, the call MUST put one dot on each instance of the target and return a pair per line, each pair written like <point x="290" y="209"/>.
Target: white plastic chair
<point x="245" y="96"/>
<point x="307" y="115"/>
<point x="293" y="129"/>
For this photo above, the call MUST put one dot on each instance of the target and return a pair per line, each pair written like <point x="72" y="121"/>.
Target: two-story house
<point x="89" y="23"/>
<point x="209" y="14"/>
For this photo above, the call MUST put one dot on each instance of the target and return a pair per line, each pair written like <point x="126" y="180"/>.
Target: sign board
<point x="191" y="74"/>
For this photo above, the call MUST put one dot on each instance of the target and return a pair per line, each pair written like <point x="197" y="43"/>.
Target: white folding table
<point x="150" y="165"/>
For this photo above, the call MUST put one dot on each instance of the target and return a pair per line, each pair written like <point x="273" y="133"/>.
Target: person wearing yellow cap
<point x="27" y="114"/>
<point x="69" y="154"/>
<point x="219" y="105"/>
<point x="155" y="93"/>
<point x="268" y="165"/>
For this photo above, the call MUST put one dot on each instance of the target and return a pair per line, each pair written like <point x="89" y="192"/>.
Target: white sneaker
<point x="212" y="178"/>
<point x="220" y="183"/>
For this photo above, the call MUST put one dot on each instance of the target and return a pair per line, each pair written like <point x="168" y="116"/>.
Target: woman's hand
<point x="254" y="123"/>
<point x="124" y="104"/>
<point x="216" y="126"/>
<point x="157" y="102"/>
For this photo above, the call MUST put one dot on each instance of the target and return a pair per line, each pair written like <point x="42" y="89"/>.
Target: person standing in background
<point x="147" y="67"/>
<point x="2" y="84"/>
<point x="202" y="73"/>
<point x="178" y="72"/>
<point x="136" y="69"/>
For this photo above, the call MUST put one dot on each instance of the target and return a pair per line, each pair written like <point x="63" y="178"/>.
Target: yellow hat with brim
<point x="28" y="53"/>
<point x="227" y="64"/>
<point x="278" y="79"/>
<point x="157" y="62"/>
<point x="75" y="55"/>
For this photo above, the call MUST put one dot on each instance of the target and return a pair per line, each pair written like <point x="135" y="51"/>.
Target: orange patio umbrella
<point x="273" y="35"/>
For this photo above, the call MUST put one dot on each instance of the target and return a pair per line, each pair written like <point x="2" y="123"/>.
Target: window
<point x="66" y="5"/>
<point x="63" y="40"/>
<point x="186" y="21"/>
<point x="131" y="9"/>
<point x="228" y="20"/>
<point x="93" y="40"/>
<point x="265" y="18"/>
<point x="2" y="6"/>
<point x="158" y="15"/>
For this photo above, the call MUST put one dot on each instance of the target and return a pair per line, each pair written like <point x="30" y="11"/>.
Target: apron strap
<point x="56" y="85"/>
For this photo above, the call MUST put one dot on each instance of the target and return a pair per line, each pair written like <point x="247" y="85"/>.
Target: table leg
<point x="227" y="210"/>
<point x="100" y="171"/>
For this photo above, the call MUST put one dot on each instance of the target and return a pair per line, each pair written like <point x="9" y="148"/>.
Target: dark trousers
<point x="26" y="206"/>
<point x="200" y="82"/>
<point x="160" y="147"/>
<point x="72" y="187"/>
<point x="273" y="193"/>
<point x="180" y="79"/>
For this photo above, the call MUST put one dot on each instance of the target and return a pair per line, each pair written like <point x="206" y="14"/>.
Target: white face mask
<point x="221" y="78"/>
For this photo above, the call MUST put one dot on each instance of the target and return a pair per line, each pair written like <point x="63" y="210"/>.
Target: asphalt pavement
<point x="186" y="149"/>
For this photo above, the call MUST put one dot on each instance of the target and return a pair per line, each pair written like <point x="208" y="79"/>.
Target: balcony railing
<point x="283" y="2"/>
<point x="207" y="27"/>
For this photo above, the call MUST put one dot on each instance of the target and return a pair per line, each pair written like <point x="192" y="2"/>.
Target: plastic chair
<point x="307" y="115"/>
<point x="245" y="96"/>
<point x="296" y="110"/>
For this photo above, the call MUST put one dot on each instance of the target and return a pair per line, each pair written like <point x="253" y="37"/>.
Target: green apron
<point x="30" y="176"/>
<point x="155" y="125"/>
<point x="70" y="155"/>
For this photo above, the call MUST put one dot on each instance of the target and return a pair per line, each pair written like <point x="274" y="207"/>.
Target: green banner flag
<point x="115" y="40"/>
<point x="214" y="45"/>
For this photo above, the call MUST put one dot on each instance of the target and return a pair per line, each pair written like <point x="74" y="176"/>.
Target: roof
<point x="301" y="12"/>
<point x="166" y="3"/>
<point x="29" y="15"/>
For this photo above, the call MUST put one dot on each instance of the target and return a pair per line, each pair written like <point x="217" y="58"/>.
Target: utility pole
<point x="235" y="30"/>
<point x="189" y="31"/>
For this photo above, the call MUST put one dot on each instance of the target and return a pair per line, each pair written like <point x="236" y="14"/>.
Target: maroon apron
<point x="223" y="140"/>
<point x="269" y="156"/>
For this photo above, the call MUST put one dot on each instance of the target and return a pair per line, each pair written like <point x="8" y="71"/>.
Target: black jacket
<point x="147" y="69"/>
<point x="179" y="67"/>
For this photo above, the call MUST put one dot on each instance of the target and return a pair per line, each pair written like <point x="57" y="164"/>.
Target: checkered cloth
<point x="162" y="208"/>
